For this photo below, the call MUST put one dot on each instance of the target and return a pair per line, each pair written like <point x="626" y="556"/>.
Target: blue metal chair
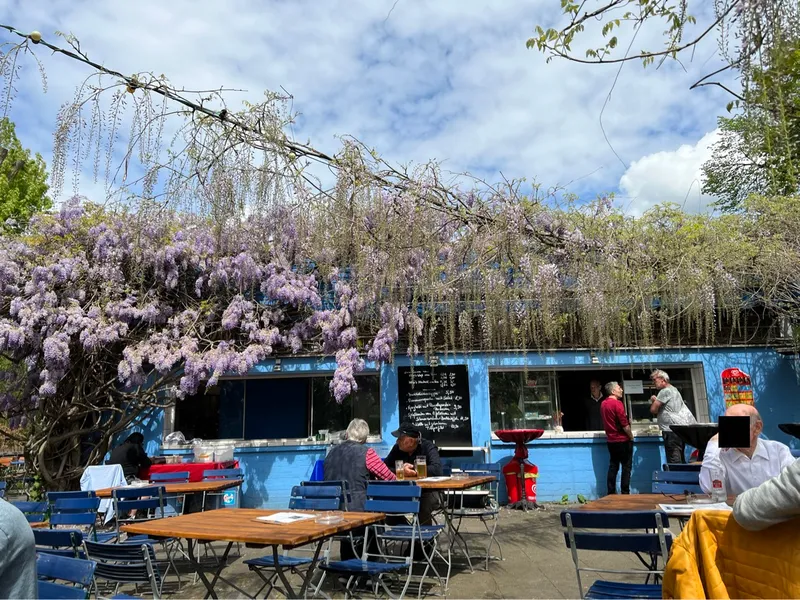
<point x="376" y="562"/>
<point x="126" y="563"/>
<point x="476" y="504"/>
<point x="616" y="537"/>
<point x="796" y="452"/>
<point x="346" y="498"/>
<point x="173" y="503"/>
<point x="304" y="497"/>
<point x="148" y="504"/>
<point x="3" y="486"/>
<point x="34" y="512"/>
<point x="318" y="473"/>
<point x="61" y="542"/>
<point x="676" y="482"/>
<point x="217" y="475"/>
<point x="79" y="572"/>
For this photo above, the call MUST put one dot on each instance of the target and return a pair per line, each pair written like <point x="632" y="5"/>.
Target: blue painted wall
<point x="566" y="466"/>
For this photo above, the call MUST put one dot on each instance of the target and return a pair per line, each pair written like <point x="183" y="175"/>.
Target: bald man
<point x="744" y="468"/>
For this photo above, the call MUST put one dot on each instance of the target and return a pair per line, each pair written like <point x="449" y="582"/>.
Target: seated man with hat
<point x="411" y="444"/>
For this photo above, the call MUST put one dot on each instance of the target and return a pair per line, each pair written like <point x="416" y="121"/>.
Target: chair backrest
<point x="316" y="497"/>
<point x="392" y="498"/>
<point x="318" y="473"/>
<point x="677" y="477"/>
<point x="346" y="498"/>
<point x="53" y="497"/>
<point x="148" y="502"/>
<point x="62" y="542"/>
<point x="682" y="467"/>
<point x="488" y="468"/>
<point x="125" y="563"/>
<point x="172" y="477"/>
<point x="217" y="474"/>
<point x="76" y="505"/>
<point x="79" y="572"/>
<point x="616" y="537"/>
<point x="34" y="511"/>
<point x="676" y="488"/>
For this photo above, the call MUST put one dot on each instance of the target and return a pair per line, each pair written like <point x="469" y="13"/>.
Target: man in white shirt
<point x="744" y="468"/>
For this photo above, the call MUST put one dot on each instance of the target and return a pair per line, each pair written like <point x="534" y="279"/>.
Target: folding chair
<point x="616" y="539"/>
<point x="377" y="562"/>
<point x="476" y="504"/>
<point x="220" y="475"/>
<point x="61" y="542"/>
<point x="148" y="502"/>
<point x="34" y="512"/>
<point x="80" y="512"/>
<point x="345" y="498"/>
<point x="3" y="486"/>
<point x="79" y="572"/>
<point x="179" y="500"/>
<point x="126" y="563"/>
<point x="303" y="498"/>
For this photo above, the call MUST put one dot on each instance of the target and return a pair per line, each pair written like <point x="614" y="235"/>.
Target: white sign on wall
<point x="633" y="386"/>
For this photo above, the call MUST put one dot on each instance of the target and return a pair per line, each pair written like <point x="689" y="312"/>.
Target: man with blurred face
<point x="744" y="468"/>
<point x="592" y="419"/>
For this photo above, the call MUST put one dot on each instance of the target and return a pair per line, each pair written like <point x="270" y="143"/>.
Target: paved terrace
<point x="536" y="564"/>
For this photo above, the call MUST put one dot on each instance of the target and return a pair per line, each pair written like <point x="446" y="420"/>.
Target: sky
<point x="450" y="81"/>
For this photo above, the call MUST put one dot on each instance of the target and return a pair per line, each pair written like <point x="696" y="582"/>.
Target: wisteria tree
<point x="229" y="251"/>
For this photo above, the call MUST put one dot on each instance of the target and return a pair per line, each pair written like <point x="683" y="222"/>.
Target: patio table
<point x="192" y="487"/>
<point x="637" y="502"/>
<point x="451" y="484"/>
<point x="195" y="469"/>
<point x="239" y="525"/>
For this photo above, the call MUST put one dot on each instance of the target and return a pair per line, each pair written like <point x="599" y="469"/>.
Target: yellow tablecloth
<point x="716" y="558"/>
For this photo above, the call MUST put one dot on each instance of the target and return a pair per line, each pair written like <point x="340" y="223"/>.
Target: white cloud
<point x="446" y="80"/>
<point x="668" y="176"/>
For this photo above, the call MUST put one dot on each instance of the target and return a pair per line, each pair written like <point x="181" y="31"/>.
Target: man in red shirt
<point x="618" y="437"/>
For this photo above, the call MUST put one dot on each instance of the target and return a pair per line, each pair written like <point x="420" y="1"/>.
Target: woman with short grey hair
<point x="353" y="462"/>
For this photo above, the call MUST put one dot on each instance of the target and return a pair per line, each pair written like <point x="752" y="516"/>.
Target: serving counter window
<point x="530" y="399"/>
<point x="274" y="408"/>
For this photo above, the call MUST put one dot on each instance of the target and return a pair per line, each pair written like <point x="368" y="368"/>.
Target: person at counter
<point x="593" y="419"/>
<point x="131" y="456"/>
<point x="411" y="444"/>
<point x="669" y="408"/>
<point x="619" y="438"/>
<point x="744" y="468"/>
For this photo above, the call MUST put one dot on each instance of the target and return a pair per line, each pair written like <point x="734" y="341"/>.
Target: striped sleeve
<point x="377" y="467"/>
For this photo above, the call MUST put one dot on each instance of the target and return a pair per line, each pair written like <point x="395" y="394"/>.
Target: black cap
<point x="406" y="428"/>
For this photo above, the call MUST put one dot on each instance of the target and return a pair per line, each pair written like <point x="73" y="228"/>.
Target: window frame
<point x="696" y="373"/>
<point x="170" y="416"/>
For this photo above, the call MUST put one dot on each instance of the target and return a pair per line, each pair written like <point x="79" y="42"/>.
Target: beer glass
<point x="398" y="470"/>
<point x="421" y="466"/>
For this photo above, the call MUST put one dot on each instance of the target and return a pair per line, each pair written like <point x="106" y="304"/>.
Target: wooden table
<point x="239" y="525"/>
<point x="454" y="484"/>
<point x="637" y="502"/>
<point x="193" y="487"/>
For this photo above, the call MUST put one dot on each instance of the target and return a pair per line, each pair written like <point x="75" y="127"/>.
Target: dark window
<point x="275" y="408"/>
<point x="522" y="400"/>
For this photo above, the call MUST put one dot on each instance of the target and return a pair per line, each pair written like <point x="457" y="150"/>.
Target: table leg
<point x="195" y="562"/>
<point x="190" y="546"/>
<point x="454" y="534"/>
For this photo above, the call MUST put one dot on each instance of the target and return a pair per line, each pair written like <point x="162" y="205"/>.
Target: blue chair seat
<point x="616" y="589"/>
<point x="105" y="537"/>
<point x="362" y="567"/>
<point x="139" y="539"/>
<point x="404" y="532"/>
<point x="283" y="561"/>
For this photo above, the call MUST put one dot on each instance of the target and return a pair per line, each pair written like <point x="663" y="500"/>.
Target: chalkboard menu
<point x="436" y="399"/>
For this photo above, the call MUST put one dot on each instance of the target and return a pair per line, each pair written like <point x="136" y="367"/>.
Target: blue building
<point x="272" y="416"/>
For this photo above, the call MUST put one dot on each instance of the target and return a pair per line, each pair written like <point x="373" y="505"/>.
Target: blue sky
<point x="448" y="80"/>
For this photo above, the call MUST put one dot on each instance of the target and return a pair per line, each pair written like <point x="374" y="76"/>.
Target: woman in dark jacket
<point x="131" y="455"/>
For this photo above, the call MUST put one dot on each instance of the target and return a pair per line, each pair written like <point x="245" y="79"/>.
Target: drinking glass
<point x="421" y="466"/>
<point x="398" y="470"/>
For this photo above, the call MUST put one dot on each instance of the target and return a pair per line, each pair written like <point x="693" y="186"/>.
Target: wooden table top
<point x="192" y="487"/>
<point x="637" y="501"/>
<point x="239" y="525"/>
<point x="40" y="524"/>
<point x="454" y="484"/>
